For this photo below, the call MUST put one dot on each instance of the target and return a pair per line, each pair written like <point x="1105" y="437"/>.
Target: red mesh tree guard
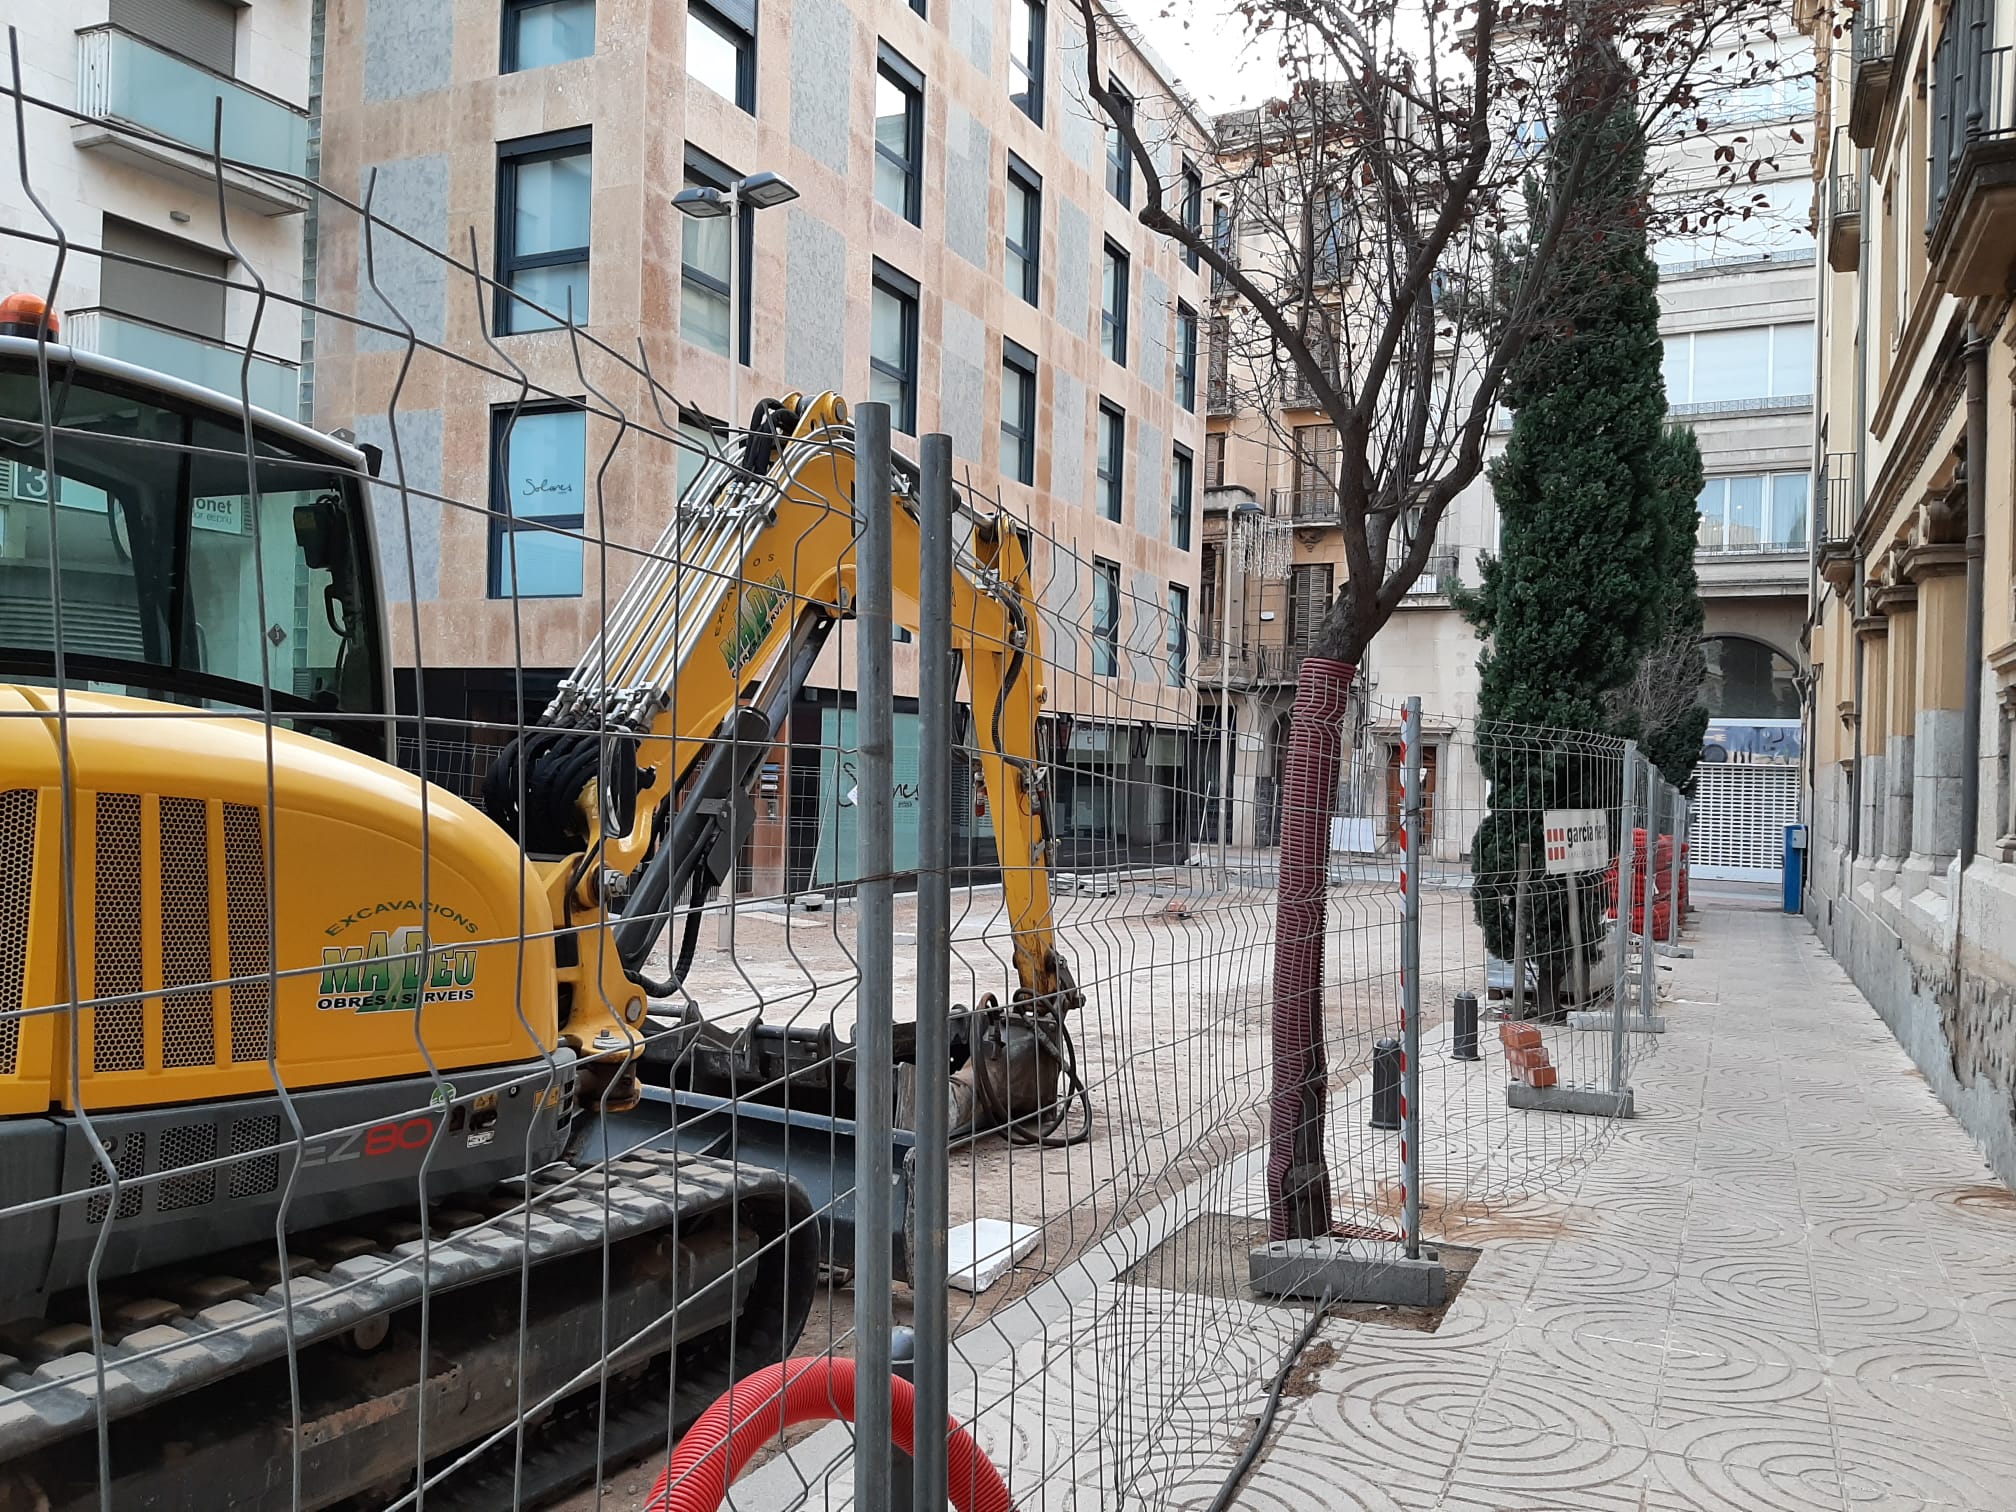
<point x="1298" y="1174"/>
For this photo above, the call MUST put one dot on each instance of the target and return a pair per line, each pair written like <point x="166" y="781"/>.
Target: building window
<point x="170" y="283"/>
<point x="703" y="264"/>
<point x="539" y="32"/>
<point x="203" y="31"/>
<point x="1755" y="512"/>
<point x="1193" y="209"/>
<point x="1214" y="459"/>
<point x="1025" y="57"/>
<point x="1310" y="589"/>
<point x="542" y="231"/>
<point x="899" y="137"/>
<point x="1105" y="618"/>
<point x="1182" y="480"/>
<point x="1753" y="367"/>
<point x="1025" y="230"/>
<point x="1179" y="635"/>
<point x="721" y="49"/>
<point x="1186" y="357"/>
<point x="537" y="478"/>
<point x="1223" y="244"/>
<point x="1018" y="412"/>
<point x="1112" y="459"/>
<point x="1113" y="306"/>
<point x="892" y="346"/>
<point x="1119" y="161"/>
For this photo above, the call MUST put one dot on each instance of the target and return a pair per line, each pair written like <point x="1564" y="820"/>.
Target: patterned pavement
<point x="1790" y="1283"/>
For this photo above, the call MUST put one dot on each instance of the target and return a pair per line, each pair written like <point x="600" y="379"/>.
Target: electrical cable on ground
<point x="1229" y="1491"/>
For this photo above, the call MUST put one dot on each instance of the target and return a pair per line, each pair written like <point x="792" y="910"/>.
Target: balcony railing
<point x="1708" y="407"/>
<point x="1736" y="543"/>
<point x="1841" y="211"/>
<point x="1279" y="664"/>
<point x="1438" y="574"/>
<point x="1834" y="522"/>
<point x="1218" y="397"/>
<point x="122" y="79"/>
<point x="211" y="364"/>
<point x="1316" y="503"/>
<point x="1875" y="48"/>
<point x="1971" y="210"/>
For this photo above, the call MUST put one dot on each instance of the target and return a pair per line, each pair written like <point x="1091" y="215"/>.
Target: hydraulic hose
<point x="759" y="1408"/>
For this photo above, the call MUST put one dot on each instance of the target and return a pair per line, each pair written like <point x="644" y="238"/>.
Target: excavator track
<point x="657" y="1272"/>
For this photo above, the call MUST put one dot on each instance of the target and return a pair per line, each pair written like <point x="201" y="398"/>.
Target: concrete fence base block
<point x="1590" y="1100"/>
<point x="1683" y="952"/>
<point x="1634" y="1023"/>
<point x="1348" y="1270"/>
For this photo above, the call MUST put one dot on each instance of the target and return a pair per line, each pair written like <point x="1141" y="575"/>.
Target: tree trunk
<point x="1298" y="1173"/>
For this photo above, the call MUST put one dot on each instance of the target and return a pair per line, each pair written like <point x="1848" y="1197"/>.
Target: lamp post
<point x="756" y="191"/>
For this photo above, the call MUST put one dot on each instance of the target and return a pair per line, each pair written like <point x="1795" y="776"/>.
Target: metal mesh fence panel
<point x="833" y="926"/>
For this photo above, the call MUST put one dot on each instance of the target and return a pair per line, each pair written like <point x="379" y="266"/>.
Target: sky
<point x="1203" y="43"/>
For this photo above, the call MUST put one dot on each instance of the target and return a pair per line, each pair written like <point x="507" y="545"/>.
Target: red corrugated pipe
<point x="716" y="1449"/>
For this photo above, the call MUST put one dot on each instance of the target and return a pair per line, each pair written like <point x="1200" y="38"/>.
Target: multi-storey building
<point x="962" y="242"/>
<point x="1912" y="623"/>
<point x="125" y="177"/>
<point x="1736" y="297"/>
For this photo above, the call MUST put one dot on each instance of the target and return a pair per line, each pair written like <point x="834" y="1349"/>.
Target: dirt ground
<point x="1172" y="1045"/>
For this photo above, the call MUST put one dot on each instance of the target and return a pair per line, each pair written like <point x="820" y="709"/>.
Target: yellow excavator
<point x="302" y="1058"/>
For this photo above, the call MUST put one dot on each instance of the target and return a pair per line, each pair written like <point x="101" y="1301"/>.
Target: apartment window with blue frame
<point x="542" y="32"/>
<point x="544" y="186"/>
<point x="899" y="136"/>
<point x="1018" y="412"/>
<point x="1025" y="57"/>
<point x="721" y="49"/>
<point x="1182" y="490"/>
<point x="1119" y="161"/>
<point x="1025" y="231"/>
<point x="538" y="480"/>
<point x="1113" y="305"/>
<point x="1186" y="357"/>
<point x="1112" y="459"/>
<point x="892" y="345"/>
<point x="1105" y="618"/>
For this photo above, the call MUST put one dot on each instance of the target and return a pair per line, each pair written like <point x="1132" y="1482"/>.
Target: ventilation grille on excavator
<point x="17" y="884"/>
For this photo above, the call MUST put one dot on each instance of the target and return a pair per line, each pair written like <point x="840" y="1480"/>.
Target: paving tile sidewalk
<point x="1789" y="1283"/>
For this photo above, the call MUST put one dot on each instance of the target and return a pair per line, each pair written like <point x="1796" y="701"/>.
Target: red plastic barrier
<point x="719" y="1447"/>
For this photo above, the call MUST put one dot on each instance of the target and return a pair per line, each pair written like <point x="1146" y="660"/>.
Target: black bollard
<point x="1465" y="1008"/>
<point x="1386" y="1084"/>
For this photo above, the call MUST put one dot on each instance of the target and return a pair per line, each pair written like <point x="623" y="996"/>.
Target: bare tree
<point x="1384" y="260"/>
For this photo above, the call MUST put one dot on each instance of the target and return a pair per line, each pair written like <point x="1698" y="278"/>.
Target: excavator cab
<point x="167" y="549"/>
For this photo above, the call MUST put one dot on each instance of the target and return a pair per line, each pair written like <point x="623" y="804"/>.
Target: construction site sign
<point x="1578" y="840"/>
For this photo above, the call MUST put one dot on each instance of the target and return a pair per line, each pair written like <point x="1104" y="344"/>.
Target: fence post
<point x="874" y="1071"/>
<point x="935" y="692"/>
<point x="1626" y="849"/>
<point x="1681" y="813"/>
<point x="1524" y="864"/>
<point x="1648" y="967"/>
<point x="1410" y="977"/>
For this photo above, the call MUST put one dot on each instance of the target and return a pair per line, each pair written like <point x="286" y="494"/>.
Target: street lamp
<point x="756" y="191"/>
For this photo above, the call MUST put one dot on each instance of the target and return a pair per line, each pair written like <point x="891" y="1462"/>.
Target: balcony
<point x="1834" y="520"/>
<point x="1220" y="661"/>
<point x="1313" y="504"/>
<point x="211" y="364"/>
<point x="1869" y="82"/>
<point x="146" y="106"/>
<point x="1971" y="234"/>
<point x="1842" y="218"/>
<point x="1278" y="664"/>
<point x="1438" y="574"/>
<point x="1218" y="397"/>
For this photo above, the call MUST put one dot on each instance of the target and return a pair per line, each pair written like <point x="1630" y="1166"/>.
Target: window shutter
<point x="203" y="31"/>
<point x="153" y="290"/>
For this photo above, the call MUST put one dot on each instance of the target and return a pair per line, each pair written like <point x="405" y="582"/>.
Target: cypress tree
<point x="1595" y="491"/>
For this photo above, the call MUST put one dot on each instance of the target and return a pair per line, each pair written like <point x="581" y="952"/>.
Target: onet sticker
<point x="760" y="608"/>
<point x="386" y="976"/>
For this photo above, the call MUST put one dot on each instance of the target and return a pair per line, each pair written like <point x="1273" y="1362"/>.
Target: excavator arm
<point x="678" y="703"/>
